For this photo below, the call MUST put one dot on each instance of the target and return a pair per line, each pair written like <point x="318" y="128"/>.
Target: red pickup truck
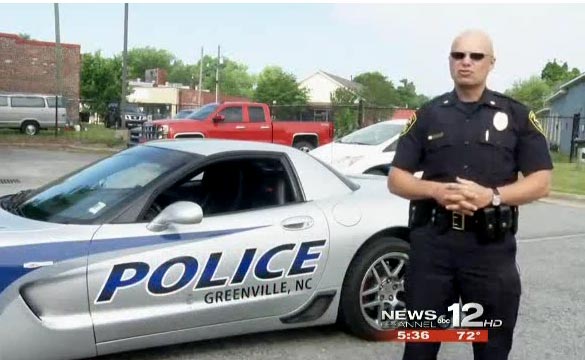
<point x="239" y="121"/>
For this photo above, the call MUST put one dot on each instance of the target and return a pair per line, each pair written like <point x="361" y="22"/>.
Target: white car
<point x="369" y="150"/>
<point x="183" y="240"/>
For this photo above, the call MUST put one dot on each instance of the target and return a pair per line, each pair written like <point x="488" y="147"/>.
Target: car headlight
<point x="162" y="131"/>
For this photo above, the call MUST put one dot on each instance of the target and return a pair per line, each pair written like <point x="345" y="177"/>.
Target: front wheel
<point x="373" y="283"/>
<point x="30" y="128"/>
<point x="304" y="146"/>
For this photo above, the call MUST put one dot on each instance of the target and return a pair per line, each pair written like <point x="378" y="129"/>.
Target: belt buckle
<point x="458" y="221"/>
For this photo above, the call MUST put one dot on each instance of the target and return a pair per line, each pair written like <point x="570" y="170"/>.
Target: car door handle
<point x="240" y="127"/>
<point x="36" y="265"/>
<point x="265" y="127"/>
<point x="298" y="223"/>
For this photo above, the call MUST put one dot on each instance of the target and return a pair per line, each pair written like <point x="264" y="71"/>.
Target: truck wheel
<point x="304" y="146"/>
<point x="30" y="128"/>
<point x="374" y="282"/>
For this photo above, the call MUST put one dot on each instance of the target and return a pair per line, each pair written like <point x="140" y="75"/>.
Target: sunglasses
<point x="459" y="55"/>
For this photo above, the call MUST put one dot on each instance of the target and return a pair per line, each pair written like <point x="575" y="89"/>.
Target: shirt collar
<point x="487" y="98"/>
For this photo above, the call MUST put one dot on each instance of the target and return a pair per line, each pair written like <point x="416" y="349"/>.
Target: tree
<point x="377" y="89"/>
<point x="277" y="86"/>
<point x="101" y="81"/>
<point x="234" y="78"/>
<point x="25" y="36"/>
<point x="531" y="92"/>
<point x="142" y="59"/>
<point x="184" y="73"/>
<point x="555" y="74"/>
<point x="407" y="95"/>
<point x="345" y="111"/>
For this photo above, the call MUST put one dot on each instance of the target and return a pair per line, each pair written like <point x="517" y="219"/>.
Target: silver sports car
<point x="177" y="241"/>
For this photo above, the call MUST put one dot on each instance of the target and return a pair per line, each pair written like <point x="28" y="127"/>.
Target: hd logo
<point x="127" y="275"/>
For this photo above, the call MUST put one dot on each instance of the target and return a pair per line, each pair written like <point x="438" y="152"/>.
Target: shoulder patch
<point x="409" y="124"/>
<point x="534" y="121"/>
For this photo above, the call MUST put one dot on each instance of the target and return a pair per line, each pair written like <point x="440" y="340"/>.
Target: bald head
<point x="473" y="41"/>
<point x="471" y="60"/>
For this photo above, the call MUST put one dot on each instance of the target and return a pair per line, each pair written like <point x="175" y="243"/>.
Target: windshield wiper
<point x="14" y="201"/>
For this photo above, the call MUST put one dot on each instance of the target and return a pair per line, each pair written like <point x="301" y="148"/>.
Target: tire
<point x="30" y="127"/>
<point x="362" y="320"/>
<point x="304" y="146"/>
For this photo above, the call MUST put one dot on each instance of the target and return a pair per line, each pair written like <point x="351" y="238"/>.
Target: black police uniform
<point x="451" y="256"/>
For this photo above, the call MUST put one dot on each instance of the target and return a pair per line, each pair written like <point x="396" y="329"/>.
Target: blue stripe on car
<point x="12" y="258"/>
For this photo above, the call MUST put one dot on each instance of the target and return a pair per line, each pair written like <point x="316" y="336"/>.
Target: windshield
<point x="204" y="112"/>
<point x="132" y="108"/>
<point x="104" y="186"/>
<point x="373" y="134"/>
<point x="183" y="114"/>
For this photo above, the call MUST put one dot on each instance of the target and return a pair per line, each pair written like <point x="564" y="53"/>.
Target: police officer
<point x="470" y="145"/>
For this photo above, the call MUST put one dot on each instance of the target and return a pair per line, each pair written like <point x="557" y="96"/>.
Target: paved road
<point x="550" y="255"/>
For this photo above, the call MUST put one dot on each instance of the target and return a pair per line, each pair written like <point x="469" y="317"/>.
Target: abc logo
<point x="443" y="322"/>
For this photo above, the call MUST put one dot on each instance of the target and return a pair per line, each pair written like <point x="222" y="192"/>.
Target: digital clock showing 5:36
<point x="448" y="335"/>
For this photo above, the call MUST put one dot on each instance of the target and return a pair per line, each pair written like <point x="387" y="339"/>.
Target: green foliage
<point x="531" y="92"/>
<point x="184" y="73"/>
<point x="377" y="89"/>
<point x="275" y="86"/>
<point x="345" y="111"/>
<point x="142" y="59"/>
<point x="555" y="74"/>
<point x="408" y="97"/>
<point x="25" y="36"/>
<point x="101" y="81"/>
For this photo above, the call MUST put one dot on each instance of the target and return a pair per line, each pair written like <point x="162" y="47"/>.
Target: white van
<point x="30" y="112"/>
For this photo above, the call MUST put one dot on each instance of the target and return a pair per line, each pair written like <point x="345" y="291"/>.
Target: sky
<point x="400" y="40"/>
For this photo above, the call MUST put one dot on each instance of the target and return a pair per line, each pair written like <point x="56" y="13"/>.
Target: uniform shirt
<point x="487" y="142"/>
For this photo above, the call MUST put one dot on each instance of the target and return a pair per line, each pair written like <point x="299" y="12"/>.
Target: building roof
<point x="20" y="40"/>
<point x="564" y="87"/>
<point x="352" y="85"/>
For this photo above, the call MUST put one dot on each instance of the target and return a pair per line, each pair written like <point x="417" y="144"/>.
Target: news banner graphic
<point x="428" y="326"/>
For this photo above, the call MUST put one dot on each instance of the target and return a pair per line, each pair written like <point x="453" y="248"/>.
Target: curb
<point x="57" y="146"/>
<point x="566" y="196"/>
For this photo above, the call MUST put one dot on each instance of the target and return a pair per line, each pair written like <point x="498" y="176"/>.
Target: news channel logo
<point x="458" y="316"/>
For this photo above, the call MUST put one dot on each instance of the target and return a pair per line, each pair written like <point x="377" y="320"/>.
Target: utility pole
<point x="58" y="60"/>
<point x="200" y="76"/>
<point x="217" y="75"/>
<point x="124" y="68"/>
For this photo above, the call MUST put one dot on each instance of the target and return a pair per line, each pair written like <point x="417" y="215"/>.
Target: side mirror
<point x="180" y="212"/>
<point x="218" y="118"/>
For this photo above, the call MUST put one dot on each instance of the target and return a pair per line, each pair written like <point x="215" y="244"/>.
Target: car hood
<point x="342" y="156"/>
<point x="13" y="223"/>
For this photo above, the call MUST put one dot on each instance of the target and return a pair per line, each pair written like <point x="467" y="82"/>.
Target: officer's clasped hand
<point x="464" y="196"/>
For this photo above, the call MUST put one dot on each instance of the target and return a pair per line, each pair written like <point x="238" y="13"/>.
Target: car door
<point x="230" y="267"/>
<point x="257" y="127"/>
<point x="4" y="111"/>
<point x="232" y="127"/>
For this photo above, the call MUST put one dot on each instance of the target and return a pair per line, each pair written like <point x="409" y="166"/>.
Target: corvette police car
<point x="184" y="240"/>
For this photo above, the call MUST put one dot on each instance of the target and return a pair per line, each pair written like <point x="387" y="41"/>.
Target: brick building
<point x="29" y="66"/>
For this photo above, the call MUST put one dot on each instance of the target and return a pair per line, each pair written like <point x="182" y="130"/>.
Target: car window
<point x="3" y="101"/>
<point x="256" y="114"/>
<point x="51" y="102"/>
<point x="204" y="112"/>
<point x="232" y="114"/>
<point x="27" y="101"/>
<point x="104" y="186"/>
<point x="373" y="134"/>
<point x="230" y="185"/>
